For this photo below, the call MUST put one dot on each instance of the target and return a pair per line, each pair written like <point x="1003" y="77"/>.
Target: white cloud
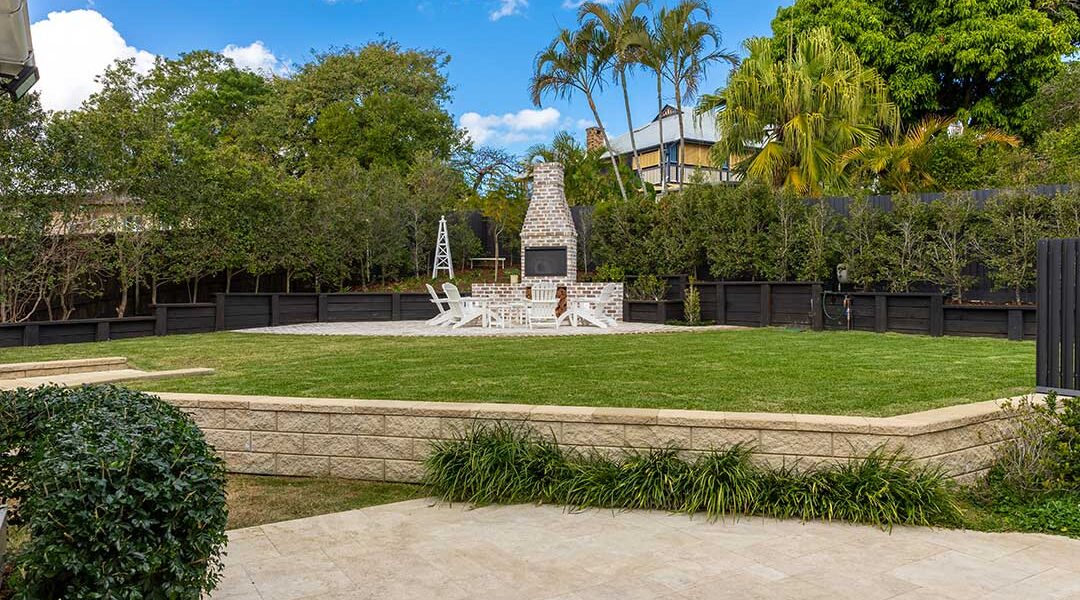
<point x="523" y="126"/>
<point x="72" y="48"/>
<point x="256" y="57"/>
<point x="578" y="3"/>
<point x="508" y="8"/>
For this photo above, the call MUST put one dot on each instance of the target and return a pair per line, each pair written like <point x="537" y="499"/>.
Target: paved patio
<point x="414" y="550"/>
<point x="422" y="329"/>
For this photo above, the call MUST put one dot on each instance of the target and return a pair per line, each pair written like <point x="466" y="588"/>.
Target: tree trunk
<point x="630" y="123"/>
<point x="288" y="282"/>
<point x="607" y="144"/>
<point x="682" y="137"/>
<point x="195" y="298"/>
<point x="258" y="277"/>
<point x="663" y="147"/>
<point x="122" y="307"/>
<point x="153" y="289"/>
<point x="228" y="280"/>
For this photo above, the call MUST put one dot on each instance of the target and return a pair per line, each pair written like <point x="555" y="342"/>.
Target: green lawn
<point x="750" y="370"/>
<point x="257" y="500"/>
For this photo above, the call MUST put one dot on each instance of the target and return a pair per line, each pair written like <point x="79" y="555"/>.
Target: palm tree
<point x="692" y="45"/>
<point x="790" y="121"/>
<point x="903" y="166"/>
<point x="628" y="34"/>
<point x="655" y="57"/>
<point x="575" y="61"/>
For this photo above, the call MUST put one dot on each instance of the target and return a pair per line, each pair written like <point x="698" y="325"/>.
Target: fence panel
<point x="1056" y="349"/>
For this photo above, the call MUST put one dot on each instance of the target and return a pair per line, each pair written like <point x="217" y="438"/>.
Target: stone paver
<point x="415" y="549"/>
<point x="422" y="329"/>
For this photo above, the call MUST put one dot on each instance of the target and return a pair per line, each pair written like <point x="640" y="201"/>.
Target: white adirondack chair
<point x="591" y="310"/>
<point x="462" y="310"/>
<point x="541" y="307"/>
<point x="443" y="318"/>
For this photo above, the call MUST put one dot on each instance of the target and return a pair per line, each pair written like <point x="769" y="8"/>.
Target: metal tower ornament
<point x="443" y="262"/>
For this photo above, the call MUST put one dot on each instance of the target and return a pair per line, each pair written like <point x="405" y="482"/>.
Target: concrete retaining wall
<point x="385" y="440"/>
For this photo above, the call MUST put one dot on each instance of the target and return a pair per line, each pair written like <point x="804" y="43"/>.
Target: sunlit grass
<point x="770" y="369"/>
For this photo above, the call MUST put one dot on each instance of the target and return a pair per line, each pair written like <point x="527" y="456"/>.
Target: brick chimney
<point x="548" y="235"/>
<point x="594" y="138"/>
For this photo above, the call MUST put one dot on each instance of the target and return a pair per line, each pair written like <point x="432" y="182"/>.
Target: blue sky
<point x="491" y="42"/>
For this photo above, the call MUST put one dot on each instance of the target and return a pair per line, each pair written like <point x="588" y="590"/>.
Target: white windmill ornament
<point x="443" y="262"/>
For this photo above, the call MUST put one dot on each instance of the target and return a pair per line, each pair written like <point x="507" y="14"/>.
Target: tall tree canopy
<point x="982" y="59"/>
<point x="378" y="104"/>
<point x="789" y="120"/>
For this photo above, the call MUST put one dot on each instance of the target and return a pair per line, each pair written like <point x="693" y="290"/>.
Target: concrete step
<point x="61" y="367"/>
<point x="100" y="377"/>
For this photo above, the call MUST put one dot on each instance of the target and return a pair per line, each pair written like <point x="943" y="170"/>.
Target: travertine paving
<point x="418" y="551"/>
<point x="422" y="329"/>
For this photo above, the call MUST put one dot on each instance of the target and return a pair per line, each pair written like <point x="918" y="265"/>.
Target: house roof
<point x="701" y="129"/>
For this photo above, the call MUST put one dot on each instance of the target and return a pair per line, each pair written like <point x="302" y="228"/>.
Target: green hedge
<point x="752" y="233"/>
<point x="120" y="493"/>
<point x="506" y="464"/>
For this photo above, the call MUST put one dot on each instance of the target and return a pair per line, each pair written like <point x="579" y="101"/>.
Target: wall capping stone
<point x="344" y="437"/>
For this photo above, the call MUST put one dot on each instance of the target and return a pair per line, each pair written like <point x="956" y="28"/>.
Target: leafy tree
<point x="980" y="59"/>
<point x="788" y="121"/>
<point x="379" y="104"/>
<point x="623" y="235"/>
<point x="575" y="62"/>
<point x="1015" y="223"/>
<point x="1056" y="105"/>
<point x="786" y="242"/>
<point x="819" y="232"/>
<point x="862" y="243"/>
<point x="737" y="225"/>
<point x="586" y="181"/>
<point x="505" y="206"/>
<point x="904" y="242"/>
<point x="973" y="160"/>
<point x="953" y="243"/>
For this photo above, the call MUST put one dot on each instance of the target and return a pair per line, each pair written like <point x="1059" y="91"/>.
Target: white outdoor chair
<point x="591" y="310"/>
<point x="541" y="307"/>
<point x="443" y="318"/>
<point x="464" y="310"/>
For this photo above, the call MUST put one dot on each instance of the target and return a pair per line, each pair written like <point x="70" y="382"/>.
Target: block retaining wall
<point x="385" y="440"/>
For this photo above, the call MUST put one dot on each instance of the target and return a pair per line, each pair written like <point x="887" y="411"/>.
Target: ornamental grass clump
<point x="501" y="463"/>
<point x="120" y="494"/>
<point x="724" y="482"/>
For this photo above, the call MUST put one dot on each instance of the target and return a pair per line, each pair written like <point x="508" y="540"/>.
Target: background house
<point x="660" y="161"/>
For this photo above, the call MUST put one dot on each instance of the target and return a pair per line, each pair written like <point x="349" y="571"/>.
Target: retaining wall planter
<point x="386" y="440"/>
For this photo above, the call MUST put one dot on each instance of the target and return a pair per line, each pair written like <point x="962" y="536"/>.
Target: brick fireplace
<point x="548" y="236"/>
<point x="549" y="244"/>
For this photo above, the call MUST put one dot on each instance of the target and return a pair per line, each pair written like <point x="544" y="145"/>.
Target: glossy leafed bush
<point x="121" y="495"/>
<point x="502" y="463"/>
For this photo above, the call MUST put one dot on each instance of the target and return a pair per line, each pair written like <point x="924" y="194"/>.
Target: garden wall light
<point x="18" y="72"/>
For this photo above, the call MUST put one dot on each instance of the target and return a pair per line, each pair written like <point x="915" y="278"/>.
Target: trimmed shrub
<point x="500" y="463"/>
<point x="119" y="491"/>
<point x="648" y="287"/>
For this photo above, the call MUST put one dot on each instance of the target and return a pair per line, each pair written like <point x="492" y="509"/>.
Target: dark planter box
<point x="652" y="311"/>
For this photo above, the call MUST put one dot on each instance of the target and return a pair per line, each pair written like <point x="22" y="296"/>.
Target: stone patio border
<point x="387" y="440"/>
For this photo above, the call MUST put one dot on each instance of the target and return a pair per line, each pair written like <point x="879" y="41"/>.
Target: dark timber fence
<point x="228" y="312"/>
<point x="1058" y="346"/>
<point x="807" y="304"/>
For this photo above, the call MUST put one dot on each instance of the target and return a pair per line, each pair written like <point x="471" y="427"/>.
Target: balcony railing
<point x="687" y="174"/>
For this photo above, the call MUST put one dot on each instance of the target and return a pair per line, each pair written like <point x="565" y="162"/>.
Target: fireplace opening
<point x="545" y="262"/>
